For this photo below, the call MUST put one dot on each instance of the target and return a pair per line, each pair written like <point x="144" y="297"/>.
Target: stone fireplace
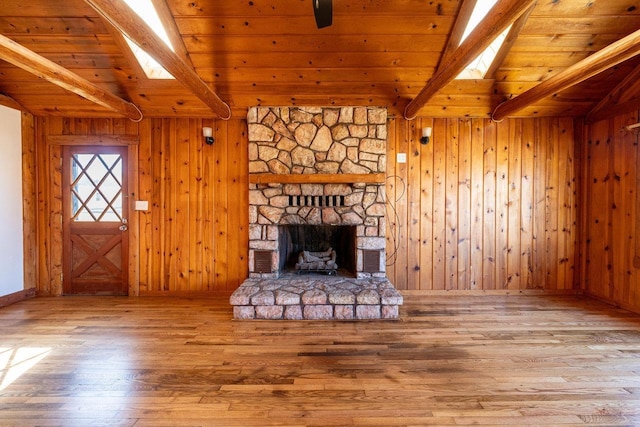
<point x="321" y="167"/>
<point x="317" y="166"/>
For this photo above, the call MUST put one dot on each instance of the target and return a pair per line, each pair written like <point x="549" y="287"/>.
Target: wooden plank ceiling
<point x="377" y="52"/>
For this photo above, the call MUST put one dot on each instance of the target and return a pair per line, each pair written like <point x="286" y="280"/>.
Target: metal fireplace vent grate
<point x="262" y="261"/>
<point x="320" y="201"/>
<point x="370" y="261"/>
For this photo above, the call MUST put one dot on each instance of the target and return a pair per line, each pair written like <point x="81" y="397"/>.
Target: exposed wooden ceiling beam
<point x="614" y="110"/>
<point x="119" y="15"/>
<point x="511" y="38"/>
<point x="615" y="53"/>
<point x="30" y="61"/>
<point x="169" y="24"/>
<point x="464" y="14"/>
<point x="499" y="17"/>
<point x="627" y="89"/>
<point x="7" y="101"/>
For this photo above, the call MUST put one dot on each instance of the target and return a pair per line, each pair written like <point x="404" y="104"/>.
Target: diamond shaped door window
<point x="96" y="188"/>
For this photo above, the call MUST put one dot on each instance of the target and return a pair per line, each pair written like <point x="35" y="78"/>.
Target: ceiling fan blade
<point x="323" y="11"/>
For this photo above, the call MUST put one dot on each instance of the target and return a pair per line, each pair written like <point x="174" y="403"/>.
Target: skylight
<point x="479" y="66"/>
<point x="146" y="11"/>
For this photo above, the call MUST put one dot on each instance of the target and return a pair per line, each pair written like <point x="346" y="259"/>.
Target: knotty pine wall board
<point x="484" y="207"/>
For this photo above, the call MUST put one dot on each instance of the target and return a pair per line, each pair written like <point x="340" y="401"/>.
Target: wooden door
<point x="95" y="230"/>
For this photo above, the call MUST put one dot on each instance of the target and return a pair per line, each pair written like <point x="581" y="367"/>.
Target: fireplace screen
<point x="318" y="248"/>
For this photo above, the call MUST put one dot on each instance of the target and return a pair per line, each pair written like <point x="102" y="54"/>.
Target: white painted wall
<point x="11" y="244"/>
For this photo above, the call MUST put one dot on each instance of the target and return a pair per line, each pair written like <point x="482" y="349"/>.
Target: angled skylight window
<point x="479" y="66"/>
<point x="146" y="11"/>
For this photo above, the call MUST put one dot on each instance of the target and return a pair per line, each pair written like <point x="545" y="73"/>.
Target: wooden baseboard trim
<point x="186" y="294"/>
<point x="627" y="307"/>
<point x="480" y="292"/>
<point x="17" y="297"/>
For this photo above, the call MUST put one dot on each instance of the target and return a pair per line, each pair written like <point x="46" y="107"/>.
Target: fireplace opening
<point x="323" y="245"/>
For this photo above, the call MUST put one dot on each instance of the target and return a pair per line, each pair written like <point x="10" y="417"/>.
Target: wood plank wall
<point x="29" y="204"/>
<point x="611" y="211"/>
<point x="483" y="207"/>
<point x="194" y="238"/>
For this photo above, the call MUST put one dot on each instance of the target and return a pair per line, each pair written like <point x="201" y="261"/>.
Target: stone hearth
<point x="316" y="298"/>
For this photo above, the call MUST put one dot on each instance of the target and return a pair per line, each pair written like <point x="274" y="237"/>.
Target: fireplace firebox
<point x="294" y="240"/>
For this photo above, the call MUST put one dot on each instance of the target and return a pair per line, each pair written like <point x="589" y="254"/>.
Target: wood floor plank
<point x="449" y="360"/>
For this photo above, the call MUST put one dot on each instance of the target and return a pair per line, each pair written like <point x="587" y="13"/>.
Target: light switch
<point x="142" y="205"/>
<point x="401" y="157"/>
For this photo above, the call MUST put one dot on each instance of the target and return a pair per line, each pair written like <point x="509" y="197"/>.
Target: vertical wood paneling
<point x="238" y="182"/>
<point x="221" y="206"/>
<point x="543" y="137"/>
<point x="439" y="204"/>
<point x="488" y="217"/>
<point x="484" y="206"/>
<point x="489" y="205"/>
<point x="414" y="188"/>
<point x="182" y="233"/>
<point x="514" y="216"/>
<point x="477" y="204"/>
<point x="401" y="205"/>
<point x="29" y="203"/>
<point x="451" y="205"/>
<point x="598" y="193"/>
<point x="157" y="279"/>
<point x="168" y="227"/>
<point x="145" y="192"/>
<point x="43" y="218"/>
<point x="610" y="199"/>
<point x="426" y="211"/>
<point x="390" y="193"/>
<point x="208" y="227"/>
<point x="502" y="205"/>
<point x="464" y="204"/>
<point x="552" y="211"/>
<point x="526" y="205"/>
<point x="196" y="204"/>
<point x="567" y="243"/>
<point x="55" y="215"/>
<point x="134" y="225"/>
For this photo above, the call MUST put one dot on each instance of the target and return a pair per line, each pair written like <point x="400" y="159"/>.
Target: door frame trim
<point x="132" y="142"/>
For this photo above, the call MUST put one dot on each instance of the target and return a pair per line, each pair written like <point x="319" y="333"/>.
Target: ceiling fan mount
<point x="323" y="11"/>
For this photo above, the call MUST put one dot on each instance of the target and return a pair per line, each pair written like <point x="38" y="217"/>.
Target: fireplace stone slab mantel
<point x="324" y="298"/>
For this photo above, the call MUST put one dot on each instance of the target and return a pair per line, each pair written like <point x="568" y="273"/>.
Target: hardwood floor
<point x="488" y="360"/>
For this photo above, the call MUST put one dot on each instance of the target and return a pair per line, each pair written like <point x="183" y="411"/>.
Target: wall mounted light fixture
<point x="426" y="135"/>
<point x="207" y="132"/>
